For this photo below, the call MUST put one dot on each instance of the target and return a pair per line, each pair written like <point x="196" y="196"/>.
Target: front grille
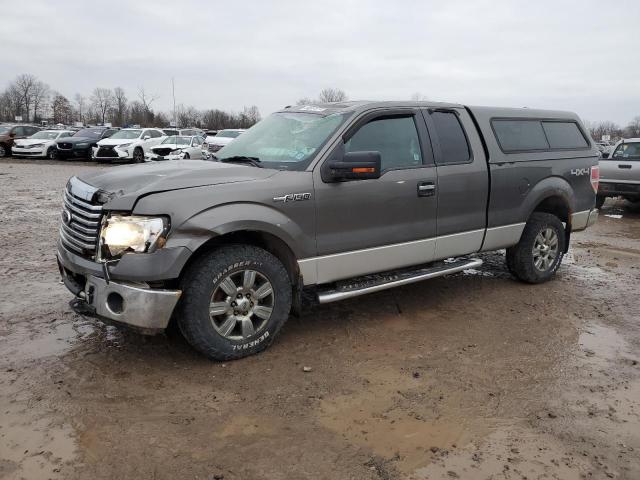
<point x="80" y="223"/>
<point x="214" y="148"/>
<point x="65" y="146"/>
<point x="163" y="152"/>
<point x="106" y="152"/>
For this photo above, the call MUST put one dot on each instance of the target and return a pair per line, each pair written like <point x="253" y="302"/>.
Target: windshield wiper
<point x="255" y="161"/>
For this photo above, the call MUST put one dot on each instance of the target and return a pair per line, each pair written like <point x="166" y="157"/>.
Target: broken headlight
<point x="131" y="233"/>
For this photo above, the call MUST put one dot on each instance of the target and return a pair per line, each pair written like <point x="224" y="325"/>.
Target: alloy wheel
<point x="545" y="249"/>
<point x="241" y="304"/>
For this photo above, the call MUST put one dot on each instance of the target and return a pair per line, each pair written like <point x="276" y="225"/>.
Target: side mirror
<point x="146" y="137"/>
<point x="354" y="166"/>
<point x="605" y="155"/>
<point x="12" y="134"/>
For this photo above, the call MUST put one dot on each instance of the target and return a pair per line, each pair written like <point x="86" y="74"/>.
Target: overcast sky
<point x="573" y="55"/>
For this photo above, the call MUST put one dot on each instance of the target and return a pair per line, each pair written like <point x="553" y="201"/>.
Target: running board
<point x="374" y="283"/>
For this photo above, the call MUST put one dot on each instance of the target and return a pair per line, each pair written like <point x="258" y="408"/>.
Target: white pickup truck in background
<point x="620" y="172"/>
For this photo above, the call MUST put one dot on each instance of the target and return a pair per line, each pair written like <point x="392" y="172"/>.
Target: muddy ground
<point x="470" y="376"/>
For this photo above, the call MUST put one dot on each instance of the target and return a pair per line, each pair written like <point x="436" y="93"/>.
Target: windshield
<point x="177" y="140"/>
<point x="228" y="133"/>
<point x="284" y="140"/>
<point x="126" y="134"/>
<point x="4" y="129"/>
<point x="45" y="135"/>
<point x="89" y="132"/>
<point x="630" y="151"/>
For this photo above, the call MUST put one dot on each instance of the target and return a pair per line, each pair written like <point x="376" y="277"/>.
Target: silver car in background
<point x="178" y="147"/>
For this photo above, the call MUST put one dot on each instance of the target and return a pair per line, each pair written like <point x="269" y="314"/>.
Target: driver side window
<point x="396" y="138"/>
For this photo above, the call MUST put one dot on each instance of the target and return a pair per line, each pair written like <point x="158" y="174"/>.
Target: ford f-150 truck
<point x="336" y="200"/>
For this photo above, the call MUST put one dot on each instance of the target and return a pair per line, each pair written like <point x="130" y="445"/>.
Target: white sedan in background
<point x="128" y="144"/>
<point x="41" y="144"/>
<point x="179" y="148"/>
<point x="223" y="137"/>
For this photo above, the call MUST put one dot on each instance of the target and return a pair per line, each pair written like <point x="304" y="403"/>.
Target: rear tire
<point x="539" y="252"/>
<point x="4" y="151"/>
<point x="235" y="300"/>
<point x="600" y="201"/>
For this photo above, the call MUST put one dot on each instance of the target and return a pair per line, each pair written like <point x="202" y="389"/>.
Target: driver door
<point x="373" y="225"/>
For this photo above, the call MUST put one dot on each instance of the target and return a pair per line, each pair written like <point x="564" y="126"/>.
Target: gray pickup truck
<point x="336" y="200"/>
<point x="620" y="172"/>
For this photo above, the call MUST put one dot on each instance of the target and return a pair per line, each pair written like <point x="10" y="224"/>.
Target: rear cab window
<point x="538" y="135"/>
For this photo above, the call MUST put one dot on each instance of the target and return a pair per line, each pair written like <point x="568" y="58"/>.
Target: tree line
<point x="615" y="131"/>
<point x="34" y="101"/>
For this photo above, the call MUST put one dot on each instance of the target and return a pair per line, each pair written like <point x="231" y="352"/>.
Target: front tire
<point x="235" y="300"/>
<point x="4" y="151"/>
<point x="52" y="153"/>
<point x="539" y="252"/>
<point x="138" y="155"/>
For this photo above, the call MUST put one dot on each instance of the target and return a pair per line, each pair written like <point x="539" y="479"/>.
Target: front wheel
<point x="138" y="155"/>
<point x="52" y="153"/>
<point x="539" y="252"/>
<point x="4" y="151"/>
<point x="235" y="300"/>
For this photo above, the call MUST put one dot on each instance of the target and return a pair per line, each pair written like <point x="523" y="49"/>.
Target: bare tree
<point x="250" y="116"/>
<point x="24" y="85"/>
<point x="40" y="96"/>
<point x="304" y="101"/>
<point x="418" y="97"/>
<point x="633" y="129"/>
<point x="80" y="105"/>
<point x="328" y="95"/>
<point x="146" y="99"/>
<point x="102" y="99"/>
<point x="598" y="129"/>
<point x="61" y="109"/>
<point x="120" y="100"/>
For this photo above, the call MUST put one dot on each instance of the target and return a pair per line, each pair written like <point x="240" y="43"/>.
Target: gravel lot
<point x="470" y="376"/>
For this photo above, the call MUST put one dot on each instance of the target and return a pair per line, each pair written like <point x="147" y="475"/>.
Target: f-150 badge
<point x="292" y="197"/>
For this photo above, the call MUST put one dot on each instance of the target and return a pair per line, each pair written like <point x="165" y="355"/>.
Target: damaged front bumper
<point x="146" y="309"/>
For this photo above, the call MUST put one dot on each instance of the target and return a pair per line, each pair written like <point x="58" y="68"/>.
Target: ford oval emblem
<point x="66" y="217"/>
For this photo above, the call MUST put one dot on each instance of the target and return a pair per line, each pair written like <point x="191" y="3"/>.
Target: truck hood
<point x="126" y="184"/>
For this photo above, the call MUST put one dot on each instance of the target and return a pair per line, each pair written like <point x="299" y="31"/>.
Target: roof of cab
<point x="325" y="109"/>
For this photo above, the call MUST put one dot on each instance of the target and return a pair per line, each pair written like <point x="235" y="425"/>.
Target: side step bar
<point x="375" y="283"/>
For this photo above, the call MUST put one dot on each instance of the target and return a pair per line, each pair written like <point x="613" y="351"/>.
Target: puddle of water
<point x="377" y="421"/>
<point x="613" y="216"/>
<point x="508" y="453"/>
<point x="21" y="345"/>
<point x="601" y="343"/>
<point x="33" y="449"/>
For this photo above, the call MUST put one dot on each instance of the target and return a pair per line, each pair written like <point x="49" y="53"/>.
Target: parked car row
<point x="114" y="145"/>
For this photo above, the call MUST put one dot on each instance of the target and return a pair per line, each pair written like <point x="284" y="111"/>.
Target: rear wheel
<point x="600" y="201"/>
<point x="235" y="300"/>
<point x="4" y="151"/>
<point x="537" y="256"/>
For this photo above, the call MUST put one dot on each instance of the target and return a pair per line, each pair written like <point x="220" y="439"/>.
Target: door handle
<point x="624" y="166"/>
<point x="426" y="189"/>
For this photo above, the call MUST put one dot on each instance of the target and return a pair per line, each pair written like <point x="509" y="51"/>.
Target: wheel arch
<point x="555" y="196"/>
